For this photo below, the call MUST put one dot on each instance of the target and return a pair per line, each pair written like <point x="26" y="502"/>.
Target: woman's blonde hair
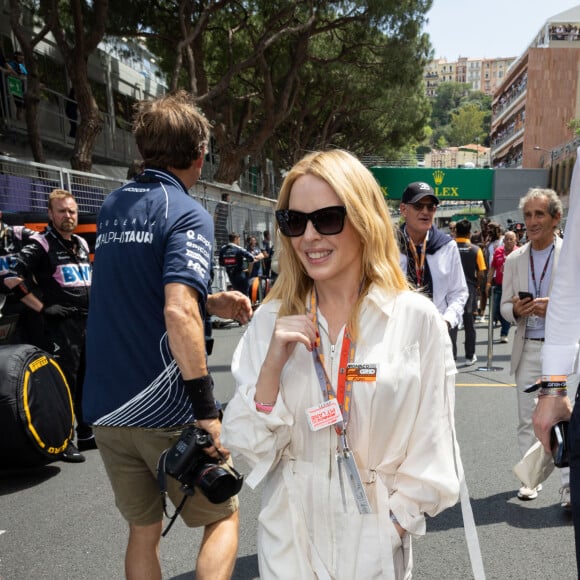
<point x="366" y="210"/>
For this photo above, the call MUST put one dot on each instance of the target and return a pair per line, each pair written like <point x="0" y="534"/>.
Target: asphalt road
<point x="60" y="523"/>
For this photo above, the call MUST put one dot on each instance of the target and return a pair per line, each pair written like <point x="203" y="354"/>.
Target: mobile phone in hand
<point x="559" y="444"/>
<point x="524" y="295"/>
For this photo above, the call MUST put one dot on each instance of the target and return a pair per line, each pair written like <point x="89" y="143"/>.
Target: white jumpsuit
<point x="401" y="430"/>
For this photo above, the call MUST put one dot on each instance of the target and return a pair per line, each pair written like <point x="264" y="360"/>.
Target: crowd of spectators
<point x="511" y="127"/>
<point x="564" y="32"/>
<point x="511" y="94"/>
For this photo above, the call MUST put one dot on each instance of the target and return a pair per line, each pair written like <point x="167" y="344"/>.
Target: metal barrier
<point x="113" y="142"/>
<point x="489" y="366"/>
<point x="25" y="186"/>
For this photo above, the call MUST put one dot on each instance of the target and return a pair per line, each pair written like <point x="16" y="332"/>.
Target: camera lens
<point x="216" y="482"/>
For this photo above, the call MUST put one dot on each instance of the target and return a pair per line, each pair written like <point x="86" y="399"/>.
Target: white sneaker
<point x="504" y="339"/>
<point x="527" y="493"/>
<point x="565" y="502"/>
<point x="470" y="361"/>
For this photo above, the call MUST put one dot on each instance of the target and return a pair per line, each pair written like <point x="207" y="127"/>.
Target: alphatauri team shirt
<point x="150" y="233"/>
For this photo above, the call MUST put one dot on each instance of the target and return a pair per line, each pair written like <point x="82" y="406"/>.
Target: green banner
<point x="448" y="184"/>
<point x="15" y="87"/>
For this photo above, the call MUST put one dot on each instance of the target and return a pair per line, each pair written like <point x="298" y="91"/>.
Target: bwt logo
<point x="75" y="274"/>
<point x="6" y="263"/>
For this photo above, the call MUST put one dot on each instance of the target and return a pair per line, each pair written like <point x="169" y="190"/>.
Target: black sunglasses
<point x="327" y="221"/>
<point x="421" y="206"/>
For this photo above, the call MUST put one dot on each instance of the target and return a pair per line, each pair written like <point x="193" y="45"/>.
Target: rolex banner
<point x="448" y="184"/>
<point x="36" y="412"/>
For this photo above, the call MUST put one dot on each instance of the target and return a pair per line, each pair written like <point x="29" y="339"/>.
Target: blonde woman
<point x="344" y="401"/>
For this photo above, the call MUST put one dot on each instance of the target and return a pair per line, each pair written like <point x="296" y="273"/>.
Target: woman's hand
<point x="288" y="332"/>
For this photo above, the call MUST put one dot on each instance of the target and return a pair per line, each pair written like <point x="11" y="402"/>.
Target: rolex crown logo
<point x="438" y="177"/>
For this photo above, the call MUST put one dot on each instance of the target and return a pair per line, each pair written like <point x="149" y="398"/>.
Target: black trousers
<point x="240" y="282"/>
<point x="65" y="342"/>
<point x="468" y="325"/>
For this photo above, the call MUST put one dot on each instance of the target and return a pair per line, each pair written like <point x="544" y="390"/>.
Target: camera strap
<point x="162" y="481"/>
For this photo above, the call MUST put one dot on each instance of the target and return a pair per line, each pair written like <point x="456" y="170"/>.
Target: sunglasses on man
<point x="421" y="206"/>
<point x="327" y="221"/>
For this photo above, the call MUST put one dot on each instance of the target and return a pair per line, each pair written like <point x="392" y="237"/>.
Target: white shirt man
<point x="429" y="257"/>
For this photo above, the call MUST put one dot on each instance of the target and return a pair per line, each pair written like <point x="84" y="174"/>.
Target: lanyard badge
<point x="346" y="461"/>
<point x="336" y="411"/>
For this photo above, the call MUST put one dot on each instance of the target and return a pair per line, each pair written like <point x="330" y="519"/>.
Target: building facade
<point x="483" y="74"/>
<point x="536" y="102"/>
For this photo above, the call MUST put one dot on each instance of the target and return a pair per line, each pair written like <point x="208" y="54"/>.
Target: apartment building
<point x="537" y="99"/>
<point x="436" y="72"/>
<point x="484" y="74"/>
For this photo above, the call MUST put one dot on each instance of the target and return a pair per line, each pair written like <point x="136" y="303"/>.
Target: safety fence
<point x="25" y="186"/>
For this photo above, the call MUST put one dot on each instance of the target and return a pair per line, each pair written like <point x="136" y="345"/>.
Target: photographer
<point x="147" y="377"/>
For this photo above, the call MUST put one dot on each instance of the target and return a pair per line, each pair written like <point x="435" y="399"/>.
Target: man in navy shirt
<point x="147" y="376"/>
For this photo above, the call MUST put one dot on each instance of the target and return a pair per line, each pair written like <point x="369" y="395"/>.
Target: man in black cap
<point x="429" y="257"/>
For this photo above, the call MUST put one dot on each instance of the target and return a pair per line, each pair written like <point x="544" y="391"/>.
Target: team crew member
<point x="59" y="261"/>
<point x="147" y="376"/>
<point x="12" y="239"/>
<point x="474" y="267"/>
<point x="232" y="257"/>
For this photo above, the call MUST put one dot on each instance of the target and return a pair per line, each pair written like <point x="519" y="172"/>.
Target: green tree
<point x="276" y="77"/>
<point x="452" y="115"/>
<point x="78" y="27"/>
<point x="27" y="42"/>
<point x="449" y="97"/>
<point x="466" y="125"/>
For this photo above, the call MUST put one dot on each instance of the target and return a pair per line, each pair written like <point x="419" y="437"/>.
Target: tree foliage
<point x="460" y="116"/>
<point x="275" y="77"/>
<point x="280" y="77"/>
<point x="449" y="98"/>
<point x="27" y="43"/>
<point x="466" y="124"/>
<point x="78" y="27"/>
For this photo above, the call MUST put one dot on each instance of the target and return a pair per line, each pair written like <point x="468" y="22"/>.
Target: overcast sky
<point x="488" y="28"/>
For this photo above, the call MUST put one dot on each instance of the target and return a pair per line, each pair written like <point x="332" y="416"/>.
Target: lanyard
<point x="419" y="264"/>
<point x="343" y="392"/>
<point x="538" y="287"/>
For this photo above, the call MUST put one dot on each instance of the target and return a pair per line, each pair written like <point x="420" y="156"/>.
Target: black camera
<point x="187" y="462"/>
<point x="559" y="444"/>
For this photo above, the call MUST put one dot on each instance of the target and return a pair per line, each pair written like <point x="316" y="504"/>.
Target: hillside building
<point x="483" y="74"/>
